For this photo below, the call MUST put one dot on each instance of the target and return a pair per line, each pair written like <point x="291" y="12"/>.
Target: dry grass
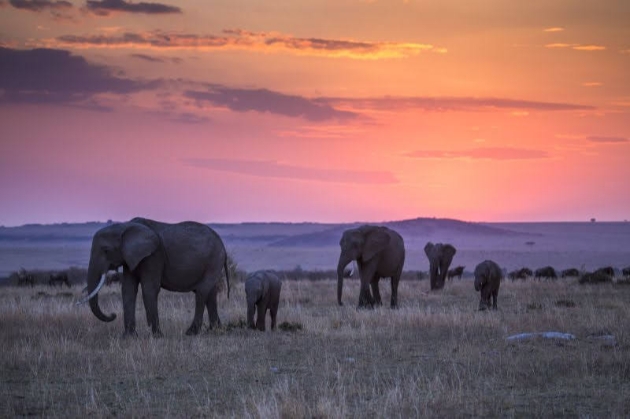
<point x="435" y="356"/>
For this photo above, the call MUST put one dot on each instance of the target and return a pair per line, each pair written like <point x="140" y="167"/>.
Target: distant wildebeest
<point x="488" y="276"/>
<point x="522" y="273"/>
<point x="607" y="270"/>
<point x="455" y="272"/>
<point x="571" y="272"/>
<point x="24" y="278"/>
<point x="546" y="272"/>
<point x="626" y="271"/>
<point x="60" y="279"/>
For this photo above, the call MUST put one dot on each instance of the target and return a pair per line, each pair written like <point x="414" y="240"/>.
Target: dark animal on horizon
<point x="379" y="253"/>
<point x="626" y="271"/>
<point x="607" y="270"/>
<point x="440" y="257"/>
<point x="183" y="257"/>
<point x="456" y="272"/>
<point x="522" y="273"/>
<point x="60" y="279"/>
<point x="571" y="272"/>
<point x="262" y="291"/>
<point x="546" y="272"/>
<point x="488" y="276"/>
<point x="25" y="279"/>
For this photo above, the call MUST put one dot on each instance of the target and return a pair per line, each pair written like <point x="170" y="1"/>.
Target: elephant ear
<point x="428" y="249"/>
<point x="449" y="251"/>
<point x="138" y="242"/>
<point x="376" y="240"/>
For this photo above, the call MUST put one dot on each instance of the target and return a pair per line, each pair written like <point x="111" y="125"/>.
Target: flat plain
<point x="434" y="356"/>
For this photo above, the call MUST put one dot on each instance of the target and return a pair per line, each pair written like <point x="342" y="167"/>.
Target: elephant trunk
<point x="343" y="262"/>
<point x="94" y="286"/>
<point x="251" y="309"/>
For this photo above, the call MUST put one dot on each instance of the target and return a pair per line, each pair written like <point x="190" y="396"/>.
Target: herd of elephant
<point x="190" y="257"/>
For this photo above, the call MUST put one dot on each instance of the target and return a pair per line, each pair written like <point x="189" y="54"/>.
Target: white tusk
<point x="93" y="293"/>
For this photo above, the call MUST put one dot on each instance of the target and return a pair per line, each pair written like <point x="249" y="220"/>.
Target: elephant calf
<point x="262" y="289"/>
<point x="488" y="277"/>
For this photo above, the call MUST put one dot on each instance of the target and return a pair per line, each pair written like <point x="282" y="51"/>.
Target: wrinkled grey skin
<point x="183" y="257"/>
<point x="440" y="257"/>
<point x="488" y="276"/>
<point x="262" y="291"/>
<point x="379" y="253"/>
<point x="59" y="278"/>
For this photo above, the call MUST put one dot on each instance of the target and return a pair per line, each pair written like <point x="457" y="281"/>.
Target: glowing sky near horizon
<point x="328" y="111"/>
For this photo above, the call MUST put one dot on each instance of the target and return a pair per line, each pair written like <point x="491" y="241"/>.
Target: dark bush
<point x="596" y="277"/>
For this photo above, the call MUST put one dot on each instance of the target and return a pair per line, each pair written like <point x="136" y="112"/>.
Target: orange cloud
<point x="237" y="39"/>
<point x="554" y="29"/>
<point x="483" y="153"/>
<point x="592" y="84"/>
<point x="576" y="47"/>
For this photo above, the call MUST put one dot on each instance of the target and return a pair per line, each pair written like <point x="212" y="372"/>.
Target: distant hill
<point x="274" y="234"/>
<point x="425" y="228"/>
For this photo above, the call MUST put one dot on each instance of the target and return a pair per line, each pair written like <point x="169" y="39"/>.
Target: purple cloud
<point x="154" y="59"/>
<point x="482" y="153"/>
<point x="609" y="140"/>
<point x="273" y="169"/>
<point x="105" y="7"/>
<point x="41" y="5"/>
<point x="56" y="76"/>
<point x="263" y="100"/>
<point x="449" y="103"/>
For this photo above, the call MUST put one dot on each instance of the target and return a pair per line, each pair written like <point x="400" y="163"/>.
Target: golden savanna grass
<point x="434" y="356"/>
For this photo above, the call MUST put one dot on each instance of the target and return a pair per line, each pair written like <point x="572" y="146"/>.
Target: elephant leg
<point x="394" y="281"/>
<point x="150" y="294"/>
<point x="273" y="311"/>
<point x="376" y="293"/>
<point x="200" y="304"/>
<point x="129" y="295"/>
<point x="484" y="303"/>
<point x="495" y="295"/>
<point x="261" y="312"/>
<point x="213" y="313"/>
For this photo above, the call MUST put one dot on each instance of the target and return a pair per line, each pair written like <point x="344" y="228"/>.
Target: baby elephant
<point x="488" y="277"/>
<point x="262" y="289"/>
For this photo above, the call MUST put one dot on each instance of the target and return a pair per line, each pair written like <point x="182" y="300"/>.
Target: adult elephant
<point x="183" y="257"/>
<point x="440" y="257"/>
<point x="379" y="253"/>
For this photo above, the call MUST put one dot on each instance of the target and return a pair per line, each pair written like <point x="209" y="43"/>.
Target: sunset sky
<point x="304" y="110"/>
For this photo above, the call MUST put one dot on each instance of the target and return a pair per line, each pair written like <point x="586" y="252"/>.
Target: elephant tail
<point x="227" y="276"/>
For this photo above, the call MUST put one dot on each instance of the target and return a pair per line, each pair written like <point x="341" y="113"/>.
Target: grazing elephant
<point x="571" y="272"/>
<point x="24" y="278"/>
<point x="488" y="276"/>
<point x="546" y="272"/>
<point x="456" y="272"/>
<point x="607" y="270"/>
<point x="379" y="253"/>
<point x="262" y="289"/>
<point x="626" y="271"/>
<point x="183" y="257"/>
<point x="59" y="278"/>
<point x="440" y="258"/>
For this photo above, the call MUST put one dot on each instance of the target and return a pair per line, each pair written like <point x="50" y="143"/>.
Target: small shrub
<point x="565" y="303"/>
<point x="290" y="327"/>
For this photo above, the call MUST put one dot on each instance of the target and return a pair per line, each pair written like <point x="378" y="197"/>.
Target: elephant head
<point x="360" y="244"/>
<point x="121" y="244"/>
<point x="440" y="257"/>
